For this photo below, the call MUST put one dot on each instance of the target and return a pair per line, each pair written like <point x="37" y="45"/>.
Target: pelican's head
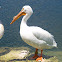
<point x="25" y="10"/>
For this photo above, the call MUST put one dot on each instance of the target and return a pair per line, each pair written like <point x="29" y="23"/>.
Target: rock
<point x="14" y="54"/>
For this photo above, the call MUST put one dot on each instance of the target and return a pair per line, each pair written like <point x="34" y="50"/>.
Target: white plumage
<point x="35" y="36"/>
<point x="1" y="30"/>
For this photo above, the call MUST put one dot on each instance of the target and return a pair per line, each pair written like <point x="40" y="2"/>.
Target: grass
<point x="54" y="56"/>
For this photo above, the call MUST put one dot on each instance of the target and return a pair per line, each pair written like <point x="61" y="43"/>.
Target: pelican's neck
<point x="24" y="20"/>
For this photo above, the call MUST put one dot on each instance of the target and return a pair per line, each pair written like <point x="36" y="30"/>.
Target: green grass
<point x="57" y="55"/>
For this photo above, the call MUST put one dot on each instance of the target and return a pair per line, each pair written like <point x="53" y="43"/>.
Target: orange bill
<point x="18" y="16"/>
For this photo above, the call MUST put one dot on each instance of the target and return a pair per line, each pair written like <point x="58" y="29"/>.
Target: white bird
<point x="33" y="35"/>
<point x="1" y="30"/>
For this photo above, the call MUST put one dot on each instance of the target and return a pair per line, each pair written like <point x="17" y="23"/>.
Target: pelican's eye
<point x="22" y="9"/>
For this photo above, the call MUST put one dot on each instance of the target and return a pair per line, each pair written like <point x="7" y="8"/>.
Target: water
<point x="47" y="14"/>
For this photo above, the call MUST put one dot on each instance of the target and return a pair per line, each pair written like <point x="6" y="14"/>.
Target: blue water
<point x="47" y="14"/>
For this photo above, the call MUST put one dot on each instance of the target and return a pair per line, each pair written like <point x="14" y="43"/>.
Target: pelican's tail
<point x="54" y="43"/>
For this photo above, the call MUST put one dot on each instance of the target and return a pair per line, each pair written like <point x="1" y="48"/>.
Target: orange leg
<point x="40" y="58"/>
<point x="36" y="54"/>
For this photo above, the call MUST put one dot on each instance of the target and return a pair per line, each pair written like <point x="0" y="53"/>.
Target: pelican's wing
<point x="42" y="34"/>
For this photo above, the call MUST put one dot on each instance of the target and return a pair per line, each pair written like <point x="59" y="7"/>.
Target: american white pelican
<point x="33" y="35"/>
<point x="1" y="30"/>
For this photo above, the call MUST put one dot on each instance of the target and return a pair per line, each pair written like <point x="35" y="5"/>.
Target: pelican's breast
<point x="27" y="36"/>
